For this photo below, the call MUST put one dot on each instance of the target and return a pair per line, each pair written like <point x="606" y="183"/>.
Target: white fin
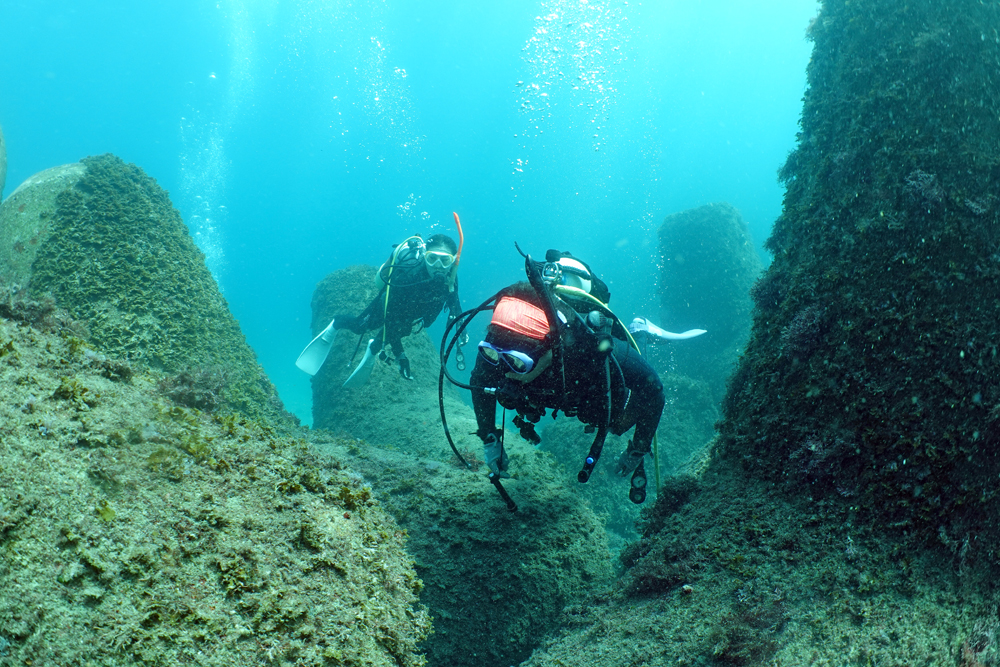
<point x="359" y="377"/>
<point x="312" y="358"/>
<point x="642" y="325"/>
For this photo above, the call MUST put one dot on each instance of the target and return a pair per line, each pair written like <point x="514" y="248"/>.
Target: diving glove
<point x="629" y="460"/>
<point x="404" y="367"/>
<point x="495" y="456"/>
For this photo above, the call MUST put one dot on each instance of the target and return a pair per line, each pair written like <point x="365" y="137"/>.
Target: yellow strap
<point x="388" y="284"/>
<point x="656" y="461"/>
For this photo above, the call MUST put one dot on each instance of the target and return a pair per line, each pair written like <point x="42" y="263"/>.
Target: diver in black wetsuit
<point x="580" y="365"/>
<point x="417" y="283"/>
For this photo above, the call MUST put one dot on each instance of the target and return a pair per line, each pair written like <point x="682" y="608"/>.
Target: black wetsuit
<point x="415" y="297"/>
<point x="636" y="393"/>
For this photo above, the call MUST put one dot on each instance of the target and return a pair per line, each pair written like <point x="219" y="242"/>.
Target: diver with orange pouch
<point x="553" y="344"/>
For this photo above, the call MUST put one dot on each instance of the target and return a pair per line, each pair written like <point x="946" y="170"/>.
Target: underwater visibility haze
<point x="805" y="193"/>
<point x="300" y="137"/>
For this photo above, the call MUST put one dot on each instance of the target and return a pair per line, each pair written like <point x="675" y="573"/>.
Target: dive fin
<point x="690" y="333"/>
<point x="312" y="358"/>
<point x="364" y="370"/>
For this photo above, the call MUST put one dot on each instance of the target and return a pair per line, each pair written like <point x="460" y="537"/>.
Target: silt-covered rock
<point x="709" y="265"/>
<point x="26" y="221"/>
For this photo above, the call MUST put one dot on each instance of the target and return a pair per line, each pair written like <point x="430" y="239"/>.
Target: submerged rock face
<point x="495" y="582"/>
<point x="136" y="530"/>
<point x="728" y="572"/>
<point x="104" y="241"/>
<point x="709" y="266"/>
<point x="872" y="372"/>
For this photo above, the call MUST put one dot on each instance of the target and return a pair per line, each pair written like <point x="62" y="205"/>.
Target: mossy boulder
<point x="104" y="241"/>
<point x="872" y="375"/>
<point x="388" y="409"/>
<point x="138" y="531"/>
<point x="495" y="582"/>
<point x="709" y="265"/>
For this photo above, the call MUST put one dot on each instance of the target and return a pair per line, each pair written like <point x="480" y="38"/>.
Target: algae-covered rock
<point x="872" y="374"/>
<point x="104" y="240"/>
<point x="388" y="409"/>
<point x="495" y="582"/>
<point x="868" y="390"/>
<point x="138" y="531"/>
<point x="3" y="163"/>
<point x="709" y="266"/>
<point x="728" y="572"/>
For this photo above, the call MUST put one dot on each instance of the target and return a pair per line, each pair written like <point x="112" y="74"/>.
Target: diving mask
<point x="515" y="360"/>
<point x="438" y="260"/>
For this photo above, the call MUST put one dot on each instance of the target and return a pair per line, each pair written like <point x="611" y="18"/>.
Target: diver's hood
<point x="574" y="274"/>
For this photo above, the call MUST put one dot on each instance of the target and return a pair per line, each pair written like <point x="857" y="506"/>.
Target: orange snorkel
<point x="458" y="255"/>
<point x="461" y="238"/>
<point x="459" y="357"/>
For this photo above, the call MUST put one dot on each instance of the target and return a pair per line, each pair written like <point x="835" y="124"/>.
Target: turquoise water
<point x="298" y="137"/>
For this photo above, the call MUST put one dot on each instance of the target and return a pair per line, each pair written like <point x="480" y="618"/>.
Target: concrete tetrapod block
<point x="26" y="218"/>
<point x="3" y="163"/>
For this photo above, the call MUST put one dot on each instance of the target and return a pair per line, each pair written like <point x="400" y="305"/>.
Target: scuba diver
<point x="553" y="344"/>
<point x="418" y="280"/>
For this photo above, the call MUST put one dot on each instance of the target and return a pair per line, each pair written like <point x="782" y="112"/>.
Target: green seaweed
<point x="105" y="511"/>
<point x="353" y="497"/>
<point x="73" y="390"/>
<point x="168" y="461"/>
